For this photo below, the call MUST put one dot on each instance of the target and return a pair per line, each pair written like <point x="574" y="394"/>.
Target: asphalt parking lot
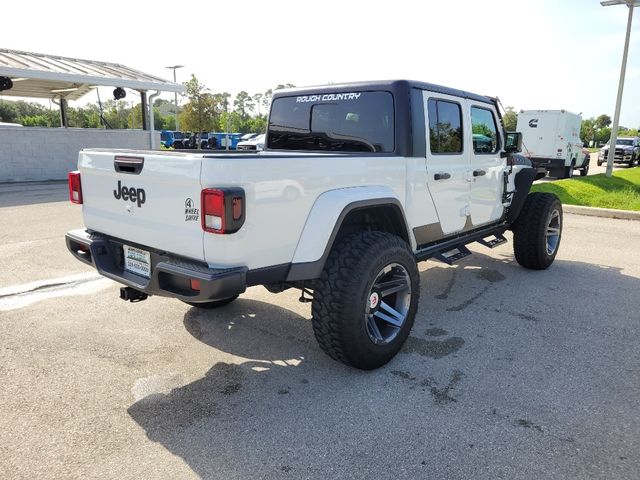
<point x="508" y="373"/>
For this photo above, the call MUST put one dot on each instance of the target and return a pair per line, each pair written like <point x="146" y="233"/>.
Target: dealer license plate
<point x="137" y="261"/>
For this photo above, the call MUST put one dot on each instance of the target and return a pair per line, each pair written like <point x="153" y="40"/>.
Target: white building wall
<point x="31" y="153"/>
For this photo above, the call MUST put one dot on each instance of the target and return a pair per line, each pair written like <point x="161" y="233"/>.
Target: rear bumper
<point x="547" y="163"/>
<point x="170" y="275"/>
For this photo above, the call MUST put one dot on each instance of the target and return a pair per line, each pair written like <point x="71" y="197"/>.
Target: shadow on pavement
<point x="31" y="193"/>
<point x="285" y="409"/>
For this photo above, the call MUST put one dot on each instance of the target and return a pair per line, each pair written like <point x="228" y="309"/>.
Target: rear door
<point x="487" y="166"/>
<point x="145" y="198"/>
<point x="447" y="160"/>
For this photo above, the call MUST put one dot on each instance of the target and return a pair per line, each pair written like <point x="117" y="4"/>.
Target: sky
<point x="536" y="54"/>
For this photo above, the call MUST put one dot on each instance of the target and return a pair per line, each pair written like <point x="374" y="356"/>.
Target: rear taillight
<point x="75" y="187"/>
<point x="223" y="209"/>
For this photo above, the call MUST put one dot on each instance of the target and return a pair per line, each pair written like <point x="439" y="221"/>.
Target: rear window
<point x="348" y="122"/>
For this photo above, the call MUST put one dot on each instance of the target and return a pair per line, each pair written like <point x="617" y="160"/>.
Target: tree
<point x="603" y="135"/>
<point x="603" y="121"/>
<point x="266" y="99"/>
<point x="588" y="130"/>
<point x="243" y="104"/>
<point x="8" y="113"/>
<point x="257" y="124"/>
<point x="257" y="98"/>
<point x="35" y="121"/>
<point x="199" y="114"/>
<point x="510" y="119"/>
<point x="628" y="132"/>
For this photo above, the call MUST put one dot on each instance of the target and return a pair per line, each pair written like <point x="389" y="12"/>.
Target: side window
<point x="484" y="130"/>
<point x="445" y="126"/>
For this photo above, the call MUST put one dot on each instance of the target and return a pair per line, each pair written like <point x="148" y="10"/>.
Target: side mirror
<point x="513" y="142"/>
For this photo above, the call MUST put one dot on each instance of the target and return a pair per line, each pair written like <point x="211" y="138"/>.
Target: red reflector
<point x="213" y="215"/>
<point x="237" y="208"/>
<point x="195" y="284"/>
<point x="75" y="187"/>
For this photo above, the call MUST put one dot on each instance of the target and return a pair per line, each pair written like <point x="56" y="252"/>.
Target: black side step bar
<point x="452" y="256"/>
<point x="498" y="239"/>
<point x="462" y="239"/>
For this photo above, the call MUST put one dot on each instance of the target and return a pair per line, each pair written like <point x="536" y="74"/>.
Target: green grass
<point x="621" y="191"/>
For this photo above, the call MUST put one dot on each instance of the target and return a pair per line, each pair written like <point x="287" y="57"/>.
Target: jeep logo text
<point x="137" y="195"/>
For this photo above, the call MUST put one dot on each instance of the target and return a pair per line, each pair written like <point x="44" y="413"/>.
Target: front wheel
<point x="537" y="231"/>
<point x="365" y="302"/>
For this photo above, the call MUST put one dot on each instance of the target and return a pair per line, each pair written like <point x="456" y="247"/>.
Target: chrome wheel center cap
<point x="374" y="300"/>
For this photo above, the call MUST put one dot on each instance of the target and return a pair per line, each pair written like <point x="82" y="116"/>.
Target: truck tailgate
<point x="146" y="198"/>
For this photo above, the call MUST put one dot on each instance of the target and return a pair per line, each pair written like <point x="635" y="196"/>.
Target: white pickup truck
<point x="357" y="183"/>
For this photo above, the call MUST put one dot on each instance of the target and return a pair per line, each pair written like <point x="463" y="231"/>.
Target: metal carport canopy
<point x="38" y="75"/>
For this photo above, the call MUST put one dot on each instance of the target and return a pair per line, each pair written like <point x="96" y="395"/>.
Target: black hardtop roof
<point x="392" y="85"/>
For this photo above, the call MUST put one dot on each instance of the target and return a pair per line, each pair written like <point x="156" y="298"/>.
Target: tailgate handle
<point x="130" y="165"/>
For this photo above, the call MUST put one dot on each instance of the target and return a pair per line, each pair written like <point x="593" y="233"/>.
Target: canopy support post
<point x="63" y="113"/>
<point x="144" y="107"/>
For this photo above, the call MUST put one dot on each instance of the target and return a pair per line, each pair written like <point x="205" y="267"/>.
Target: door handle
<point x="479" y="173"/>
<point x="442" y="176"/>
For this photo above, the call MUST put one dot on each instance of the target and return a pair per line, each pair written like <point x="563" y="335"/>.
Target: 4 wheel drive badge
<point x="190" y="214"/>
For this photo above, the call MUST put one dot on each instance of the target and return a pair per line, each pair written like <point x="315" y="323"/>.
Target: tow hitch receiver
<point x="131" y="294"/>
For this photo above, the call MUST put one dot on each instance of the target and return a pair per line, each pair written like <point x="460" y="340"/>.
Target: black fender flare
<point x="312" y="270"/>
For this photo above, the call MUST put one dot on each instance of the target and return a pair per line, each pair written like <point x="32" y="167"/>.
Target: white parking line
<point x="20" y="296"/>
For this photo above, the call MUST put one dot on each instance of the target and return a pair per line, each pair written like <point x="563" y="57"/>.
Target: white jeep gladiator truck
<point x="357" y="183"/>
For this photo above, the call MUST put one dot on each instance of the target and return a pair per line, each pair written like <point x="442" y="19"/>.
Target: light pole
<point x="616" y="117"/>
<point x="175" y="94"/>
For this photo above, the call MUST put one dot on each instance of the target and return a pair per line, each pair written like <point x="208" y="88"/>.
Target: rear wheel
<point x="213" y="304"/>
<point x="365" y="301"/>
<point x="568" y="171"/>
<point x="537" y="231"/>
<point x="584" y="171"/>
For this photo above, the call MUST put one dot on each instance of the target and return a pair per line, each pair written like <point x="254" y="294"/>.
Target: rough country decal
<point x="134" y="195"/>
<point x="328" y="97"/>
<point x="190" y="214"/>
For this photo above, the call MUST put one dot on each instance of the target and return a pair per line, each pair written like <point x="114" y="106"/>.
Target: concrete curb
<point x="601" y="212"/>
